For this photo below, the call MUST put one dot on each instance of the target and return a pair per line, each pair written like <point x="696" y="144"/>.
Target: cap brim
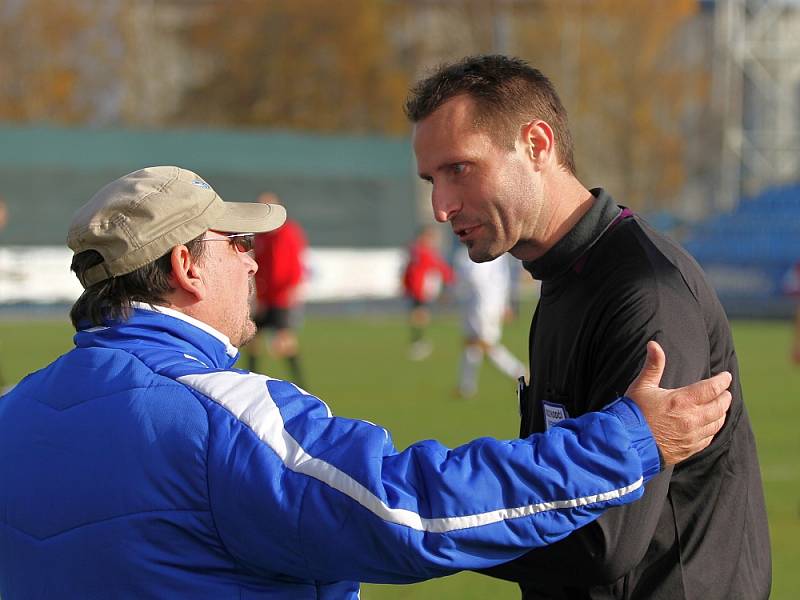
<point x="249" y="217"/>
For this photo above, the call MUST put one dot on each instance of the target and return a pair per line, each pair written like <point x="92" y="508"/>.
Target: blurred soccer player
<point x="484" y="298"/>
<point x="142" y="464"/>
<point x="491" y="136"/>
<point x="280" y="257"/>
<point x="424" y="274"/>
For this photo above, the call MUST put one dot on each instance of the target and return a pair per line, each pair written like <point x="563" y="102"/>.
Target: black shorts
<point x="274" y="317"/>
<point x="416" y="303"/>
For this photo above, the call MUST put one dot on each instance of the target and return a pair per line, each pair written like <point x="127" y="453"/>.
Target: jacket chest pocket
<point x="554" y="407"/>
<point x="540" y="411"/>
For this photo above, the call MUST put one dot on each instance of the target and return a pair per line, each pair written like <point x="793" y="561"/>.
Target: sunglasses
<point x="243" y="242"/>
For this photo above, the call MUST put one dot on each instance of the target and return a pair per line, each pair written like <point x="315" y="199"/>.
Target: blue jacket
<point x="142" y="465"/>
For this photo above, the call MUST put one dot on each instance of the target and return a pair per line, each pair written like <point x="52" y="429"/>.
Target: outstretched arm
<point x="297" y="491"/>
<point x="294" y="490"/>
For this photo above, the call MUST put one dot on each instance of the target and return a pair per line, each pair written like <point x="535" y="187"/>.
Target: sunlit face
<point x="488" y="194"/>
<point x="231" y="285"/>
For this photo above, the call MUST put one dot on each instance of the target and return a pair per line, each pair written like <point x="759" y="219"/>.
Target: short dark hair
<point x="111" y="298"/>
<point x="507" y="92"/>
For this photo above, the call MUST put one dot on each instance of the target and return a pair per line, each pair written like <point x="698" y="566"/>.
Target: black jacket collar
<point x="578" y="240"/>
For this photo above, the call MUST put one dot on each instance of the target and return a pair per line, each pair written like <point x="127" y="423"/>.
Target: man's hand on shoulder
<point x="683" y="420"/>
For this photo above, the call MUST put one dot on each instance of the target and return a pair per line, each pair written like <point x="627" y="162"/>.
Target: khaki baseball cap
<point x="140" y="217"/>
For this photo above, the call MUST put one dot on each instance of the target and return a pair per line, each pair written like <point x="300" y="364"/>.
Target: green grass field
<point x="359" y="366"/>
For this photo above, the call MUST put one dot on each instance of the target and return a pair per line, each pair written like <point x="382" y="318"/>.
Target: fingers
<point x="653" y="369"/>
<point x="697" y="430"/>
<point x="710" y="430"/>
<point x="706" y="434"/>
<point x="681" y="425"/>
<point x="683" y="420"/>
<point x="708" y="390"/>
<point x="713" y="416"/>
<point x="655" y="363"/>
<point x="694" y="449"/>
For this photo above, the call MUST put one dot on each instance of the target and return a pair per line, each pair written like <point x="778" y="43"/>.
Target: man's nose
<point x="250" y="259"/>
<point x="445" y="206"/>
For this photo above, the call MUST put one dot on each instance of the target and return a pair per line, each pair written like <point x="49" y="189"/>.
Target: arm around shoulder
<point x="301" y="492"/>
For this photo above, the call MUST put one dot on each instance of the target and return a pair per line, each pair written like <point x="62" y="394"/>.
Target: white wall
<point x="41" y="275"/>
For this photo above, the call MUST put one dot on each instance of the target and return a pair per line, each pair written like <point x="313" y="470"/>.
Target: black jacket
<point x="700" y="532"/>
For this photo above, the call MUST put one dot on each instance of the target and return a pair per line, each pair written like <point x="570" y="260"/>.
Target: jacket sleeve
<point x="616" y="543"/>
<point x="297" y="492"/>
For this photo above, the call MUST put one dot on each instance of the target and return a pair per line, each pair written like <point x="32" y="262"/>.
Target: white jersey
<point x="483" y="290"/>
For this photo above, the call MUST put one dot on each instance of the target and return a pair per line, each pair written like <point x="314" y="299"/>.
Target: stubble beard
<point x="248" y="333"/>
<point x="481" y="251"/>
<point x="248" y="328"/>
<point x="476" y="255"/>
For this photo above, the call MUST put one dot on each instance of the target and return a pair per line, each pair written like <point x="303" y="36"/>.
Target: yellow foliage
<point x="619" y="69"/>
<point x="40" y="68"/>
<point x="307" y="64"/>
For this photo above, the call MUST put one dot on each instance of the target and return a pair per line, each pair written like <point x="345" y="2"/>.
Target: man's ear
<point x="186" y="273"/>
<point x="539" y="141"/>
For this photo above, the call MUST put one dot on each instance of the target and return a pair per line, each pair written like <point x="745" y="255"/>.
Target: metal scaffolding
<point x="756" y="93"/>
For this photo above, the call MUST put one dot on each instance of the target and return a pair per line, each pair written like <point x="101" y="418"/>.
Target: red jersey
<point x="425" y="272"/>
<point x="279" y="255"/>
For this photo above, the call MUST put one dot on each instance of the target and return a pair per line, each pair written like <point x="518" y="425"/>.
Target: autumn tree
<point x="636" y="97"/>
<point x="308" y="64"/>
<point x="58" y="60"/>
<point x="634" y="94"/>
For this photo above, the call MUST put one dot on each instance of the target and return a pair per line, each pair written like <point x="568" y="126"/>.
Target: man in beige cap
<point x="141" y="464"/>
<point x="157" y="219"/>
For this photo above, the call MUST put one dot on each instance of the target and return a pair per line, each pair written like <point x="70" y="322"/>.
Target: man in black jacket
<point x="491" y="136"/>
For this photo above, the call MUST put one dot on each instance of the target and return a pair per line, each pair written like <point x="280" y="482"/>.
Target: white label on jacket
<point x="553" y="413"/>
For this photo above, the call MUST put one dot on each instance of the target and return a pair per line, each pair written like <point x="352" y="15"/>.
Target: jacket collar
<point x="578" y="240"/>
<point x="161" y="328"/>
